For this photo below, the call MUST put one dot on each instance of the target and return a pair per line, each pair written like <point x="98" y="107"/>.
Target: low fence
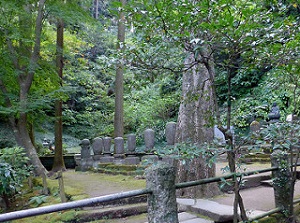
<point x="161" y="191"/>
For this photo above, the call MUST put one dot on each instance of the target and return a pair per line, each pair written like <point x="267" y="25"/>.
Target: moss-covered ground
<point x="78" y="185"/>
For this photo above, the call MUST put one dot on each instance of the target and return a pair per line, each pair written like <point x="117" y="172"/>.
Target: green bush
<point x="13" y="171"/>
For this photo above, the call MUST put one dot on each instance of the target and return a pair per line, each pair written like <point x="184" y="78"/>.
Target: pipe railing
<point x="97" y="200"/>
<point x="70" y="205"/>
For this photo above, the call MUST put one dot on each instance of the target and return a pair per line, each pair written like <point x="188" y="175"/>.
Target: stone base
<point x="149" y="159"/>
<point x="97" y="157"/>
<point x="86" y="164"/>
<point x="107" y="159"/>
<point x="119" y="161"/>
<point x="132" y="160"/>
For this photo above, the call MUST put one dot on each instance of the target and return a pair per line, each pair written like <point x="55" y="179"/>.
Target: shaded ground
<point x="97" y="184"/>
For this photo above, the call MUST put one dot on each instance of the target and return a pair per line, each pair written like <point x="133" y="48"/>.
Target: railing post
<point x="282" y="180"/>
<point x="162" y="206"/>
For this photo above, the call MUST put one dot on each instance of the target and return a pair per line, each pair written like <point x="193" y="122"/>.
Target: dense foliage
<point x="256" y="42"/>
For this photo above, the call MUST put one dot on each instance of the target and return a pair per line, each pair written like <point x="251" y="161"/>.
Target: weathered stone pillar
<point x="162" y="206"/>
<point x="97" y="146"/>
<point x="282" y="179"/>
<point x="106" y="145"/>
<point x="86" y="159"/>
<point x="170" y="133"/>
<point x="131" y="158"/>
<point x="107" y="158"/>
<point x="149" y="137"/>
<point x="85" y="149"/>
<point x="131" y="143"/>
<point x="119" y="151"/>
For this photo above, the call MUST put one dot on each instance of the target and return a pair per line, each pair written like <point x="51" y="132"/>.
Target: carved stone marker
<point x="106" y="145"/>
<point x="97" y="146"/>
<point x="149" y="137"/>
<point x="131" y="143"/>
<point x="86" y="159"/>
<point x="85" y="149"/>
<point x="170" y="133"/>
<point x="119" y="154"/>
<point x="274" y="115"/>
<point x="107" y="158"/>
<point x="131" y="158"/>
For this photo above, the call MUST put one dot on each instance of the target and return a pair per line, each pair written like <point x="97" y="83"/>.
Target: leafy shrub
<point x="13" y="171"/>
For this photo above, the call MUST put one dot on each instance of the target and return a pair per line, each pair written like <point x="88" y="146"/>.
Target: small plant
<point x="38" y="200"/>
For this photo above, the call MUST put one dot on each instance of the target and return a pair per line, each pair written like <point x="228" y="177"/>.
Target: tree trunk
<point x="23" y="139"/>
<point x="195" y="125"/>
<point x="58" y="163"/>
<point x="119" y="86"/>
<point x="96" y="9"/>
<point x="26" y="71"/>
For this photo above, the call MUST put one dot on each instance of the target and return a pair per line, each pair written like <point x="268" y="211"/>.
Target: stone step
<point x="185" y="217"/>
<point x="112" y="212"/>
<point x="211" y="209"/>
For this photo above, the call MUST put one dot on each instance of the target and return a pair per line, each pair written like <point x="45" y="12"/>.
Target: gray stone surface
<point x="162" y="206"/>
<point x="131" y="143"/>
<point x="170" y="133"/>
<point x="119" y="145"/>
<point x="217" y="212"/>
<point x="107" y="159"/>
<point x="97" y="146"/>
<point x="106" y="145"/>
<point x="149" y="137"/>
<point x="85" y="149"/>
<point x="132" y="160"/>
<point x="185" y="217"/>
<point x="218" y="135"/>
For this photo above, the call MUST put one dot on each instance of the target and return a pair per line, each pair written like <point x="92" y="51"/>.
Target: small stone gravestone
<point x="170" y="133"/>
<point x="97" y="146"/>
<point x="149" y="137"/>
<point x="131" y="143"/>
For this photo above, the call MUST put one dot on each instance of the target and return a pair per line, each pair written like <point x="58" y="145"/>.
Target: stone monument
<point x="274" y="114"/>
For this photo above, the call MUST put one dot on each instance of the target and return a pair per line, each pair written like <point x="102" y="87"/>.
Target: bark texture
<point x="26" y="70"/>
<point x="195" y="125"/>
<point x="119" y="86"/>
<point x="59" y="163"/>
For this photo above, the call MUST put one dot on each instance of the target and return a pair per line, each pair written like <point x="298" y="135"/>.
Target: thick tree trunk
<point x="26" y="71"/>
<point x="195" y="125"/>
<point x="23" y="139"/>
<point x="119" y="88"/>
<point x="59" y="163"/>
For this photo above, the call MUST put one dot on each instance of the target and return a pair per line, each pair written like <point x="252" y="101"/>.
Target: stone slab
<point x="197" y="220"/>
<point x="211" y="209"/>
<point x="107" y="159"/>
<point x="132" y="160"/>
<point x="215" y="211"/>
<point x="186" y="217"/>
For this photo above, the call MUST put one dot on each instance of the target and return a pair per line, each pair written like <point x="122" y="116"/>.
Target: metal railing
<point x="98" y="200"/>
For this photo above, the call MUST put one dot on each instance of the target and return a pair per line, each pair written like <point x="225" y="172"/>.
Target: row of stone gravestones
<point x="100" y="150"/>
